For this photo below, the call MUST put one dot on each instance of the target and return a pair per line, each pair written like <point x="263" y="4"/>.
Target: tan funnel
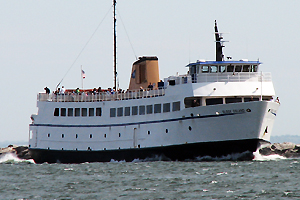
<point x="144" y="71"/>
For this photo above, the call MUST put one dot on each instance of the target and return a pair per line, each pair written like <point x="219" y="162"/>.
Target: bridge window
<point x="238" y="68"/>
<point x="247" y="99"/>
<point x="213" y="69"/>
<point x="222" y="68"/>
<point x="230" y="68"/>
<point x="192" y="102"/>
<point x="204" y="69"/>
<point x="246" y="68"/>
<point x="253" y="68"/>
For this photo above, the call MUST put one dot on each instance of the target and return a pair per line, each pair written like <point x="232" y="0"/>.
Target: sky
<point x="45" y="41"/>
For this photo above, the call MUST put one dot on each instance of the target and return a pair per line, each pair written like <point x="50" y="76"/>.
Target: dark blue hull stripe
<point x="135" y="123"/>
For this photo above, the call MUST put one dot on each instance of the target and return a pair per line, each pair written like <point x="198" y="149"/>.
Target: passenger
<point x="57" y="91"/>
<point x="277" y="100"/>
<point x="160" y="84"/>
<point x="99" y="90"/>
<point x="62" y="90"/>
<point x="77" y="91"/>
<point x="150" y="86"/>
<point x="47" y="90"/>
<point x="94" y="91"/>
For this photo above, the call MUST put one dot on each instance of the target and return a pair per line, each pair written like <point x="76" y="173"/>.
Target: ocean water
<point x="269" y="177"/>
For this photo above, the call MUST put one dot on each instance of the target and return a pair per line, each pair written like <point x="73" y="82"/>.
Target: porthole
<point x="248" y="110"/>
<point x="104" y="135"/>
<point x="119" y="134"/>
<point x="62" y="148"/>
<point x="139" y="146"/>
<point x="190" y="128"/>
<point x="89" y="148"/>
<point x="104" y="148"/>
<point x="192" y="115"/>
<point x="48" y="134"/>
<point x="76" y="136"/>
<point x="91" y="135"/>
<point x="167" y="130"/>
<point x="62" y="135"/>
<point x="148" y="132"/>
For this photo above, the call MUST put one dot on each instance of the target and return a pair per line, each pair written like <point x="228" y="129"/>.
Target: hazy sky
<point x="40" y="40"/>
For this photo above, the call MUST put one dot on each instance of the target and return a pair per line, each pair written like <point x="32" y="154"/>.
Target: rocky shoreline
<point x="285" y="149"/>
<point x="22" y="152"/>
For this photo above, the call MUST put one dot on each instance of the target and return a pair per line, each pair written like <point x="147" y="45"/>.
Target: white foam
<point x="12" y="158"/>
<point x="259" y="157"/>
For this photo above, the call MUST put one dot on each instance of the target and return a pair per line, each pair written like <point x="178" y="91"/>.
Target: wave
<point x="259" y="157"/>
<point x="11" y="158"/>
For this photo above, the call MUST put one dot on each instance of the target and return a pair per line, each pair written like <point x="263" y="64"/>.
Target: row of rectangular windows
<point x="142" y="110"/>
<point x="84" y="112"/>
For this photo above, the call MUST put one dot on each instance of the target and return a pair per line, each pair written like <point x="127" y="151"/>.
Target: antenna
<point x="115" y="46"/>
<point x="219" y="44"/>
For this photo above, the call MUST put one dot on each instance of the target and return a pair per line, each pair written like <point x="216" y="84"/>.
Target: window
<point x="149" y="109"/>
<point x="222" y="68"/>
<point x="176" y="106"/>
<point x="213" y="69"/>
<point x="157" y="108"/>
<point x="91" y="112"/>
<point x="247" y="99"/>
<point x="120" y="112"/>
<point x="76" y="136"/>
<point x="204" y="69"/>
<point x="141" y="110"/>
<point x="246" y="68"/>
<point x="77" y="112"/>
<point x="98" y="111"/>
<point x="83" y="112"/>
<point x="230" y="68"/>
<point x="253" y="68"/>
<point x="238" y="68"/>
<point x="48" y="135"/>
<point x="192" y="102"/>
<point x="134" y="110"/>
<point x="233" y="100"/>
<point x="166" y="107"/>
<point x="112" y="112"/>
<point x="70" y="112"/>
<point x="62" y="135"/>
<point x="214" y="101"/>
<point x="91" y="135"/>
<point x="63" y="112"/>
<point x="56" y="112"/>
<point x="127" y="111"/>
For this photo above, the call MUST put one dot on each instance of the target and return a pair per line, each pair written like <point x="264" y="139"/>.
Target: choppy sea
<point x="269" y="177"/>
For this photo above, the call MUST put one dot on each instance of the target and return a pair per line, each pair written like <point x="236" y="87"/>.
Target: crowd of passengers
<point x="95" y="91"/>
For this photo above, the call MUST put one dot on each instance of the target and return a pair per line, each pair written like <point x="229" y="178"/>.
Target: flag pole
<point x="81" y="77"/>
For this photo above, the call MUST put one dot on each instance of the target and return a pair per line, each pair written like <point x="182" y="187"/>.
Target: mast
<point x="219" y="46"/>
<point x="115" y="46"/>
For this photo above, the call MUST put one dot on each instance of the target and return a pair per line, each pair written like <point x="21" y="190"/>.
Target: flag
<point x="83" y="74"/>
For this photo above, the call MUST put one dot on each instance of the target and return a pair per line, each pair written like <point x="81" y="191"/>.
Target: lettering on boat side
<point x="234" y="111"/>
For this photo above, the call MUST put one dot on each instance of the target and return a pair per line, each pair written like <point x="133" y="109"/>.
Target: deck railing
<point x="103" y="96"/>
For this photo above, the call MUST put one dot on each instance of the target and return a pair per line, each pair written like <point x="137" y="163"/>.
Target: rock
<point x="21" y="151"/>
<point x="286" y="149"/>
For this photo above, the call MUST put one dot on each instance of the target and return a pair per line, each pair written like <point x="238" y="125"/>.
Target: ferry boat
<point x="215" y="109"/>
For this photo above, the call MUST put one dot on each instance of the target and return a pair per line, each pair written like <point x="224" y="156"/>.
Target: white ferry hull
<point x="214" y="131"/>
